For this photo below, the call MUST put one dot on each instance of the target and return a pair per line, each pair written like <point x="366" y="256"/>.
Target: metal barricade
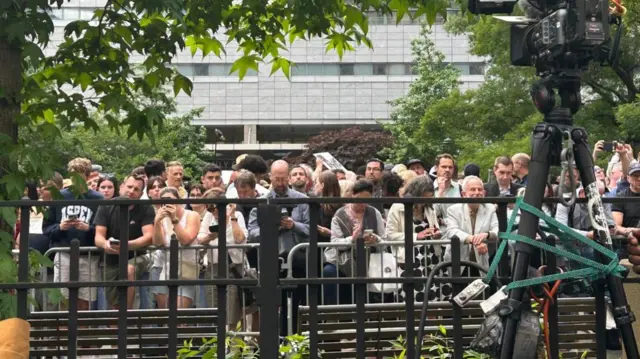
<point x="153" y="262"/>
<point x="387" y="293"/>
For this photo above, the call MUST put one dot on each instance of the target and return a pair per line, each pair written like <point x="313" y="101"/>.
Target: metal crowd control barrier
<point x="269" y="285"/>
<point x="348" y="247"/>
<point x="201" y="300"/>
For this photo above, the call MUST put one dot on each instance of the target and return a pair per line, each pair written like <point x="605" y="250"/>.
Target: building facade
<point x="273" y="115"/>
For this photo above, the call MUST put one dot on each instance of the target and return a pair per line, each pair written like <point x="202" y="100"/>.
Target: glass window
<point x="346" y="70"/>
<point x="219" y="69"/>
<point x="476" y="69"/>
<point x="185" y="69"/>
<point x="464" y="68"/>
<point x="299" y="70"/>
<point x="410" y="69"/>
<point x="200" y="70"/>
<point x="380" y="69"/>
<point x="363" y="69"/>
<point x="397" y="69"/>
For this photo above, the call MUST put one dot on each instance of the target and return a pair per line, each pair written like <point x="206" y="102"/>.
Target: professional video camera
<point x="555" y="34"/>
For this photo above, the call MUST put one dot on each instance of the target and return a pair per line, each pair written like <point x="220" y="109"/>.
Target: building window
<point x="204" y="69"/>
<point x="200" y="69"/>
<point x="377" y="69"/>
<point x="347" y="70"/>
<point x="363" y="69"/>
<point x="380" y="69"/>
<point x="476" y="69"/>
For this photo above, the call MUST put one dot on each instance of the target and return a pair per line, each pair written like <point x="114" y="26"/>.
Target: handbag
<point x="383" y="264"/>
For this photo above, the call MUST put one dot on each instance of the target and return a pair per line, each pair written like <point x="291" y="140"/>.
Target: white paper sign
<point x="330" y="162"/>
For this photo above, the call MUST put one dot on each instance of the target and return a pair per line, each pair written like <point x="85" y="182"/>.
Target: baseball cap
<point x="238" y="160"/>
<point x="634" y="168"/>
<point x="415" y="161"/>
<point x="471" y="169"/>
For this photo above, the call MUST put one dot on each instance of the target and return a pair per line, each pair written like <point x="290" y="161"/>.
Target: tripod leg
<point x="545" y="138"/>
<point x="621" y="310"/>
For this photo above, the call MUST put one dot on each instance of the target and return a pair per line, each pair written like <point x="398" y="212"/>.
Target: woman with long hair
<point x="174" y="220"/>
<point x="108" y="187"/>
<point x="327" y="185"/>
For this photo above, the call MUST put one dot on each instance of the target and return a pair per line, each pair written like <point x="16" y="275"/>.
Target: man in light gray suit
<point x="294" y="229"/>
<point x="473" y="224"/>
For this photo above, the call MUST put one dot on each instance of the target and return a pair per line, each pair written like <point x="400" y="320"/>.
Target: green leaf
<point x="84" y="80"/>
<point x="33" y="53"/>
<point x="352" y="15"/>
<point x="181" y="82"/>
<point x="280" y="63"/>
<point x="442" y="330"/>
<point x="244" y="63"/>
<point x="212" y="45"/>
<point x="48" y="115"/>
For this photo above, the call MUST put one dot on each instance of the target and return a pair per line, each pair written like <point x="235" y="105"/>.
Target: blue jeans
<point x="330" y="291"/>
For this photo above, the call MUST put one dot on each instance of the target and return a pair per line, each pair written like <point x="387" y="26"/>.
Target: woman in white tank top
<point x="170" y="221"/>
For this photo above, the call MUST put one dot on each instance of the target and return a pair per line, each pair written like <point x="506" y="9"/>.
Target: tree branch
<point x="632" y="90"/>
<point x="606" y="92"/>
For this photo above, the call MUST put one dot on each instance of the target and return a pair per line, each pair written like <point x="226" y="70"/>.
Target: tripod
<point x="547" y="139"/>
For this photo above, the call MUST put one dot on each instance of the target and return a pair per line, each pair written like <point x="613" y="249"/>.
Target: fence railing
<point x="271" y="279"/>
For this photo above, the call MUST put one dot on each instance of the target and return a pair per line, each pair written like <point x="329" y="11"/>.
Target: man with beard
<point x="298" y="179"/>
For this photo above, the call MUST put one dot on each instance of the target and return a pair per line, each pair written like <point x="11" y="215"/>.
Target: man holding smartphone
<point x="62" y="224"/>
<point x="140" y="234"/>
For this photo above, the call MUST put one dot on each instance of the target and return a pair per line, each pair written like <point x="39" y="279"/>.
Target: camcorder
<point x="555" y="34"/>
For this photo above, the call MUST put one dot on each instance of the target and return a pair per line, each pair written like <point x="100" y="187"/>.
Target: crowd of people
<point x="381" y="227"/>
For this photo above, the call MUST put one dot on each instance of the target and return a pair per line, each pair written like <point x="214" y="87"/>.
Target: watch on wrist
<point x="174" y="221"/>
<point x="233" y="219"/>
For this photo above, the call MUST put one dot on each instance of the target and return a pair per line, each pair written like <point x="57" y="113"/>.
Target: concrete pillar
<point x="250" y="134"/>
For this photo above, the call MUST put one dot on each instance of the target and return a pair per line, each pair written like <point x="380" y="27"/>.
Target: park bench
<point x="147" y="332"/>
<point x="385" y="323"/>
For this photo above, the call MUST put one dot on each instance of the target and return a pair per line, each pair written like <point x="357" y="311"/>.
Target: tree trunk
<point x="10" y="87"/>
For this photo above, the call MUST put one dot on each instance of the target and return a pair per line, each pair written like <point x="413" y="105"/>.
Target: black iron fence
<point x="270" y="283"/>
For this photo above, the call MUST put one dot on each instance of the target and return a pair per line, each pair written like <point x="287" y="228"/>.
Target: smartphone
<point x="214" y="228"/>
<point x="114" y="242"/>
<point x="73" y="217"/>
<point x="368" y="232"/>
<point x="609" y="146"/>
<point x="284" y="213"/>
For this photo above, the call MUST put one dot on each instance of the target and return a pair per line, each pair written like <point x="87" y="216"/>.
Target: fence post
<point x="173" y="298"/>
<point x="312" y="273"/>
<point x="409" y="287"/>
<point x="23" y="261"/>
<point x="74" y="277"/>
<point x="123" y="264"/>
<point x="504" y="268"/>
<point x="269" y="291"/>
<point x="458" y="349"/>
<point x="223" y="269"/>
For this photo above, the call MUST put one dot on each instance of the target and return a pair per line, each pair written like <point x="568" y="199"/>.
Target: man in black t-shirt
<point x="107" y="224"/>
<point x="627" y="215"/>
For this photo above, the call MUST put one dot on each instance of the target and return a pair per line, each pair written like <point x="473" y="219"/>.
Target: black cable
<point x="425" y="303"/>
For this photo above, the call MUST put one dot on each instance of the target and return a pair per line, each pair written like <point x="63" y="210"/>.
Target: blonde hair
<point x="407" y="176"/>
<point x="346" y="187"/>
<point x="174" y="164"/>
<point x="80" y="166"/>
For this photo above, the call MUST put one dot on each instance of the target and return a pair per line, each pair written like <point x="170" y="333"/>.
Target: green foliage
<point x="293" y="347"/>
<point x="436" y="80"/>
<point x="497" y="118"/>
<point x="436" y="345"/>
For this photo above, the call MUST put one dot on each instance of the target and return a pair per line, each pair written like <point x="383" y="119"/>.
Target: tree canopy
<point x="352" y="147"/>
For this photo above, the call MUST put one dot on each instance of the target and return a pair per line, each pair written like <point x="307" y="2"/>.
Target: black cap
<point x="414" y="162"/>
<point x="634" y="168"/>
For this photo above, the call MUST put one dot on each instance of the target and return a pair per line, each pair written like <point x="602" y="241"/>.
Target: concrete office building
<point x="272" y="115"/>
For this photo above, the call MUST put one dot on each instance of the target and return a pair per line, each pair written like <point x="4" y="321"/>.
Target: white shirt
<point x="237" y="255"/>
